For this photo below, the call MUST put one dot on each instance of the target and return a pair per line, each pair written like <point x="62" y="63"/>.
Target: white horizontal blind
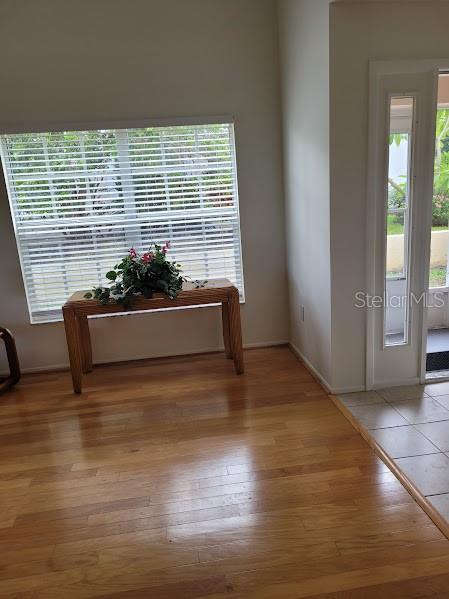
<point x="81" y="199"/>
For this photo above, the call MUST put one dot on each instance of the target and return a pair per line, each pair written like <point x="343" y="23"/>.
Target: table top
<point x="215" y="291"/>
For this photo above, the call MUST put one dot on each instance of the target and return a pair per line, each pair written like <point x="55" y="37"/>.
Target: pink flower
<point x="133" y="253"/>
<point x="166" y="247"/>
<point x="147" y="257"/>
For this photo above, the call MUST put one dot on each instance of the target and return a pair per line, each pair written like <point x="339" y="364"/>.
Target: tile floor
<point x="411" y="424"/>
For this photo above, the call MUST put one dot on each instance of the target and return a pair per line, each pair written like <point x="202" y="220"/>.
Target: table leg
<point x="74" y="346"/>
<point x="85" y="343"/>
<point x="226" y="336"/>
<point x="235" y="330"/>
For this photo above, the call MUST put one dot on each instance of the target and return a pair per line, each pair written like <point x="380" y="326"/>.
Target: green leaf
<point x="163" y="285"/>
<point x="111" y="275"/>
<point x="88" y="295"/>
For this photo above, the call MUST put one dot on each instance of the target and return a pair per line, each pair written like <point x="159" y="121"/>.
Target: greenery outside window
<point x="80" y="199"/>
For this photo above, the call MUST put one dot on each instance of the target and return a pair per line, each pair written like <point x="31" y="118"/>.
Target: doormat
<point x="437" y="361"/>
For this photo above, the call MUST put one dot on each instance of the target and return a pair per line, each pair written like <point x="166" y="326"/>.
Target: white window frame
<point x="117" y="126"/>
<point x="399" y="364"/>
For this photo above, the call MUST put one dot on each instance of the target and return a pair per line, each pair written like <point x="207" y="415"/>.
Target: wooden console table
<point x="77" y="309"/>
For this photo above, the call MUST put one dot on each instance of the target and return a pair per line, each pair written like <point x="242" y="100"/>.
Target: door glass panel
<point x="437" y="349"/>
<point x="398" y="220"/>
<point x="438" y="271"/>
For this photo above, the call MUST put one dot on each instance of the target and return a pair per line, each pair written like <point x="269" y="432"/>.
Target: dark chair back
<point x="13" y="360"/>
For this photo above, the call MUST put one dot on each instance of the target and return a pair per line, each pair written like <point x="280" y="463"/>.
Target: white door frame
<point x="380" y="71"/>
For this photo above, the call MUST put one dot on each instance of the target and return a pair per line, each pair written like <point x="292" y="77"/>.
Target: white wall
<point x="100" y="60"/>
<point x="360" y="32"/>
<point x="304" y="49"/>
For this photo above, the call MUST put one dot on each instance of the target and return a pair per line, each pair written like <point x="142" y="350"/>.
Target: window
<point x="398" y="221"/>
<point x="81" y="199"/>
<point x="398" y="186"/>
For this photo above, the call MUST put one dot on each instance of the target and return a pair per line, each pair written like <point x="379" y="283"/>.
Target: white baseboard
<point x="257" y="345"/>
<point x="353" y="389"/>
<point x="311" y="367"/>
<point x="37" y="369"/>
<point x="65" y="365"/>
<point x="398" y="383"/>
<point x="320" y="377"/>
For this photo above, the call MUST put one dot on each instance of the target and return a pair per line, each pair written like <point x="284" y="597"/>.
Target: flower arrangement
<point x="141" y="274"/>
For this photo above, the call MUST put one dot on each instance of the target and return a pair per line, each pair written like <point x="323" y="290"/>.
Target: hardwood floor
<point x="177" y="479"/>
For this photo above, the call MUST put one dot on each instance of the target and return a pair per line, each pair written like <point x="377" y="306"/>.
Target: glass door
<point x="437" y="341"/>
<point x="400" y="171"/>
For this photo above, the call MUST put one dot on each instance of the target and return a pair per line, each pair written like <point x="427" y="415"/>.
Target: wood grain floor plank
<point x="175" y="479"/>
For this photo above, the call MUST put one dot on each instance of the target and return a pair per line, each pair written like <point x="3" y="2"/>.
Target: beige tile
<point x="435" y="389"/>
<point x="437" y="433"/>
<point x="402" y="393"/>
<point x="362" y="398"/>
<point x="403" y="441"/>
<point x="443" y="400"/>
<point x="429" y="473"/>
<point x="378" y="416"/>
<point x="441" y="503"/>
<point x="421" y="410"/>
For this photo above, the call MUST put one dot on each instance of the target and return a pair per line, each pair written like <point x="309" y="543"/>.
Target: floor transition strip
<point x="420" y="499"/>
